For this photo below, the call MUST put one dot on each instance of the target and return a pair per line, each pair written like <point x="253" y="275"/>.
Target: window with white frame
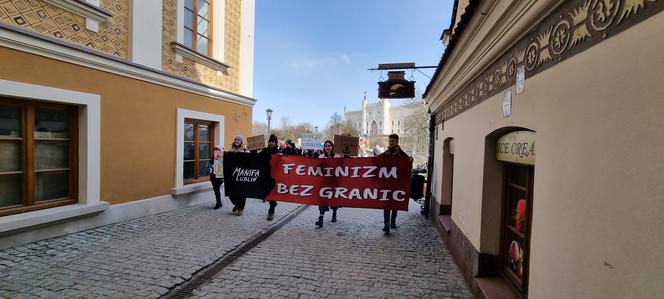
<point x="197" y="133"/>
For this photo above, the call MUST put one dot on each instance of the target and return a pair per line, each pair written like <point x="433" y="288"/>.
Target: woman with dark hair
<point x="272" y="148"/>
<point x="328" y="152"/>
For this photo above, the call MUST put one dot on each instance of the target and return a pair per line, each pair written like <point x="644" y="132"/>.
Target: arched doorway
<point x="373" y="129"/>
<point x="507" y="202"/>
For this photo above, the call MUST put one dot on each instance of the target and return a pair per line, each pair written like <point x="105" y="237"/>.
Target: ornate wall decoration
<point x="572" y="28"/>
<point x="39" y="16"/>
<point x="197" y="72"/>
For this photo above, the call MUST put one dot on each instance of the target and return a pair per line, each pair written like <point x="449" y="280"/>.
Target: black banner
<point x="247" y="175"/>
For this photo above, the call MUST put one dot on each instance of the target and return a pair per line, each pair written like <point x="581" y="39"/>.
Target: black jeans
<point x="273" y="204"/>
<point x="323" y="209"/>
<point x="238" y="202"/>
<point x="387" y="218"/>
<point x="216" y="185"/>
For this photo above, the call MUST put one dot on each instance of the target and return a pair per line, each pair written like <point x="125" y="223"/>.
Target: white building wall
<point x="247" y="48"/>
<point x="145" y="35"/>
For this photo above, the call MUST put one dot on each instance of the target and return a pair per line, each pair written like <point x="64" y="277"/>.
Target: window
<point x="38" y="150"/>
<point x="198" y="150"/>
<point x="517" y="204"/>
<point x="198" y="26"/>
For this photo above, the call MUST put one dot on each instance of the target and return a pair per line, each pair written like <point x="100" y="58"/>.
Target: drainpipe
<point x="432" y="139"/>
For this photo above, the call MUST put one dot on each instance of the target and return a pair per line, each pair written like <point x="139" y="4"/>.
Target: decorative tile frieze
<point x="574" y="27"/>
<point x="48" y="19"/>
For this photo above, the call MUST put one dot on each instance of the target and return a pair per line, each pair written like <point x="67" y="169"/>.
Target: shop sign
<point x="517" y="147"/>
<point x="396" y="86"/>
<point x="507" y="103"/>
<point x="520" y="78"/>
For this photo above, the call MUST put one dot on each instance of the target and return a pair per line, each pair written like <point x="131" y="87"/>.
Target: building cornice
<point x="540" y="43"/>
<point x="486" y="32"/>
<point x="34" y="43"/>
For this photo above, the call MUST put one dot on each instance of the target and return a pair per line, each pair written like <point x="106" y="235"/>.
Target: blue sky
<point x="312" y="56"/>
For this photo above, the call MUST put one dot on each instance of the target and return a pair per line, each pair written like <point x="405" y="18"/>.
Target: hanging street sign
<point x="396" y="86"/>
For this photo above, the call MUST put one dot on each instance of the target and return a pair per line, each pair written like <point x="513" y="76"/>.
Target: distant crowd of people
<point x="273" y="147"/>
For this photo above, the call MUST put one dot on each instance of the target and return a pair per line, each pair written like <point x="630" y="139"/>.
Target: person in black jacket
<point x="328" y="152"/>
<point x="393" y="150"/>
<point x="272" y="148"/>
<point x="238" y="201"/>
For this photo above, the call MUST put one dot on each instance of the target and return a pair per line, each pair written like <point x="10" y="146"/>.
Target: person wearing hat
<point x="272" y="148"/>
<point x="238" y="201"/>
<point x="216" y="174"/>
<point x="290" y="148"/>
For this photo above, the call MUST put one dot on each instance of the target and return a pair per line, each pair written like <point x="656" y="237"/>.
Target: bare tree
<point x="336" y="118"/>
<point x="417" y="131"/>
<point x="338" y="128"/>
<point x="285" y="122"/>
<point x="259" y="128"/>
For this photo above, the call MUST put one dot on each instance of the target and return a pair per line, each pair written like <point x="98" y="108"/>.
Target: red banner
<point x="377" y="183"/>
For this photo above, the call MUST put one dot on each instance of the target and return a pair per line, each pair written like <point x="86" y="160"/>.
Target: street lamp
<point x="268" y="111"/>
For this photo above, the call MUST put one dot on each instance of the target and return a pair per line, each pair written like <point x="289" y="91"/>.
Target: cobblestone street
<point x="148" y="257"/>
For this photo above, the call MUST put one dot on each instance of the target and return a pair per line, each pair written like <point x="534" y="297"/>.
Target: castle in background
<point x="380" y="118"/>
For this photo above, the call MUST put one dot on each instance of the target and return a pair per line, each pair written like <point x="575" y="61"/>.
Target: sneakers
<point x="270" y="216"/>
<point x="234" y="209"/>
<point x="238" y="212"/>
<point x="319" y="223"/>
<point x="386" y="230"/>
<point x="218" y="206"/>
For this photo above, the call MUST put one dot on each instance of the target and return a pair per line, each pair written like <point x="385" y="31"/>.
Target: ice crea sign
<point x="517" y="147"/>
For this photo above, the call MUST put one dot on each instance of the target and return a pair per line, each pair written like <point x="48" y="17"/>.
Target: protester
<point x="290" y="148"/>
<point x="216" y="178"/>
<point x="272" y="148"/>
<point x="328" y="152"/>
<point x="238" y="201"/>
<point x="393" y="150"/>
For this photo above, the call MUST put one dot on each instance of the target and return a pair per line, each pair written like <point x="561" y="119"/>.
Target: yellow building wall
<point x="52" y="21"/>
<point x="197" y="72"/>
<point x="597" y="205"/>
<point x="138" y="121"/>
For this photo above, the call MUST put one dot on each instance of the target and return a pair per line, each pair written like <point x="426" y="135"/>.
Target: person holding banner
<point x="328" y="152"/>
<point x="215" y="168"/>
<point x="393" y="150"/>
<point x="272" y="148"/>
<point x="238" y="201"/>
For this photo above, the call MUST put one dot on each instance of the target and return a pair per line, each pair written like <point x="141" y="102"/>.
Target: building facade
<point x="109" y="109"/>
<point x="547" y="174"/>
<point x="377" y="119"/>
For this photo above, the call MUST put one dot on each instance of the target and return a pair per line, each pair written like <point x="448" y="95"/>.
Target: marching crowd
<point x="238" y="145"/>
